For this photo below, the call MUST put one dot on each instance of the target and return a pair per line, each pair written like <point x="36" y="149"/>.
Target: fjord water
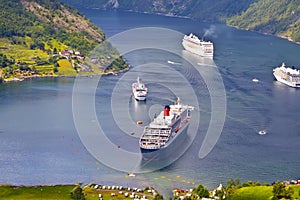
<point x="40" y="145"/>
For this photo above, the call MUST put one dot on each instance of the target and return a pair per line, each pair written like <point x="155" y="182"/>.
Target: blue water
<point x="40" y="145"/>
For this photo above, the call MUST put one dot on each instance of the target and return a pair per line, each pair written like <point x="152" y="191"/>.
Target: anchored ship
<point x="139" y="90"/>
<point x="162" y="137"/>
<point x="287" y="75"/>
<point x="200" y="47"/>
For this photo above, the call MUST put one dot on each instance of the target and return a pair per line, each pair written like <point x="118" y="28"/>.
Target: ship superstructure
<point x="287" y="75"/>
<point x="139" y="90"/>
<point x="193" y="44"/>
<point x="166" y="129"/>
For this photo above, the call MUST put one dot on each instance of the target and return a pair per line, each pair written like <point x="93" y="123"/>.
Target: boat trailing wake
<point x="173" y="63"/>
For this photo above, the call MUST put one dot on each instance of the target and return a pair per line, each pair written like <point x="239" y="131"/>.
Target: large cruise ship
<point x="164" y="135"/>
<point x="139" y="90"/>
<point x="200" y="47"/>
<point x="287" y="75"/>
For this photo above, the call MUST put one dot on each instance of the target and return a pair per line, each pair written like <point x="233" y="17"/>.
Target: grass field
<point x="41" y="60"/>
<point x="253" y="193"/>
<point x="259" y="193"/>
<point x="66" y="68"/>
<point x="45" y="68"/>
<point x="296" y="191"/>
<point x="60" y="192"/>
<point x="20" y="52"/>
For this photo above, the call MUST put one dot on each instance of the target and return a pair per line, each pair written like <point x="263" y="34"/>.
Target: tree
<point x="201" y="191"/>
<point x="77" y="193"/>
<point x="232" y="185"/>
<point x="281" y="191"/>
<point x="4" y="61"/>
<point x="158" y="197"/>
<point x="55" y="69"/>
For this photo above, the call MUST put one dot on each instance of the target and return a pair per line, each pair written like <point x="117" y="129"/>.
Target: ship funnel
<point x="167" y="111"/>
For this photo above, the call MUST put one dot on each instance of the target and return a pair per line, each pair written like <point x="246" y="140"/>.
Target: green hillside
<point x="281" y="17"/>
<point x="36" y="34"/>
<point x="205" y="10"/>
<point x="62" y="192"/>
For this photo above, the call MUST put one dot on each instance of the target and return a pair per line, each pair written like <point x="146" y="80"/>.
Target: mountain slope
<point x="46" y="37"/>
<point x="280" y="17"/>
<point x="205" y="10"/>
<point x="42" y="20"/>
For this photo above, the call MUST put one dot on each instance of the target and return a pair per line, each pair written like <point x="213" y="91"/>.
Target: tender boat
<point x="262" y="132"/>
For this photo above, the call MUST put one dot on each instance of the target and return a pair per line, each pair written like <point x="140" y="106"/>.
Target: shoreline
<point x="193" y="19"/>
<point x="264" y="33"/>
<point x="17" y="79"/>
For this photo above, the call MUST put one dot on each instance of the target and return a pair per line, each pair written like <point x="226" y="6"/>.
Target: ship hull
<point x="281" y="80"/>
<point x="140" y="98"/>
<point x="169" y="152"/>
<point x="195" y="49"/>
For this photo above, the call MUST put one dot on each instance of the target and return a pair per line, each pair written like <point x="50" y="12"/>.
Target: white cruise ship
<point x="167" y="132"/>
<point x="139" y="90"/>
<point x="193" y="44"/>
<point x="287" y="75"/>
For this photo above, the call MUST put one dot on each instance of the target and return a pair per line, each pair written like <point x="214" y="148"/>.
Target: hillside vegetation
<point x="281" y="17"/>
<point x="205" y="10"/>
<point x="36" y="34"/>
<point x="44" y="21"/>
<point x="62" y="192"/>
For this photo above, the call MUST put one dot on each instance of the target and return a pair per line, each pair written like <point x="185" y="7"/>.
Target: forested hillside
<point x="44" y="37"/>
<point x="44" y="20"/>
<point x="280" y="17"/>
<point x="205" y="10"/>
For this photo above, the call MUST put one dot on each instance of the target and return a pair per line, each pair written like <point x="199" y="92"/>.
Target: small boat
<point x="139" y="122"/>
<point x="131" y="175"/>
<point x="255" y="80"/>
<point x="262" y="132"/>
<point x="139" y="90"/>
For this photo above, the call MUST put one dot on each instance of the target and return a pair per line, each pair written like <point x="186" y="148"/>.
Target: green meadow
<point x="259" y="193"/>
<point x="61" y="192"/>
